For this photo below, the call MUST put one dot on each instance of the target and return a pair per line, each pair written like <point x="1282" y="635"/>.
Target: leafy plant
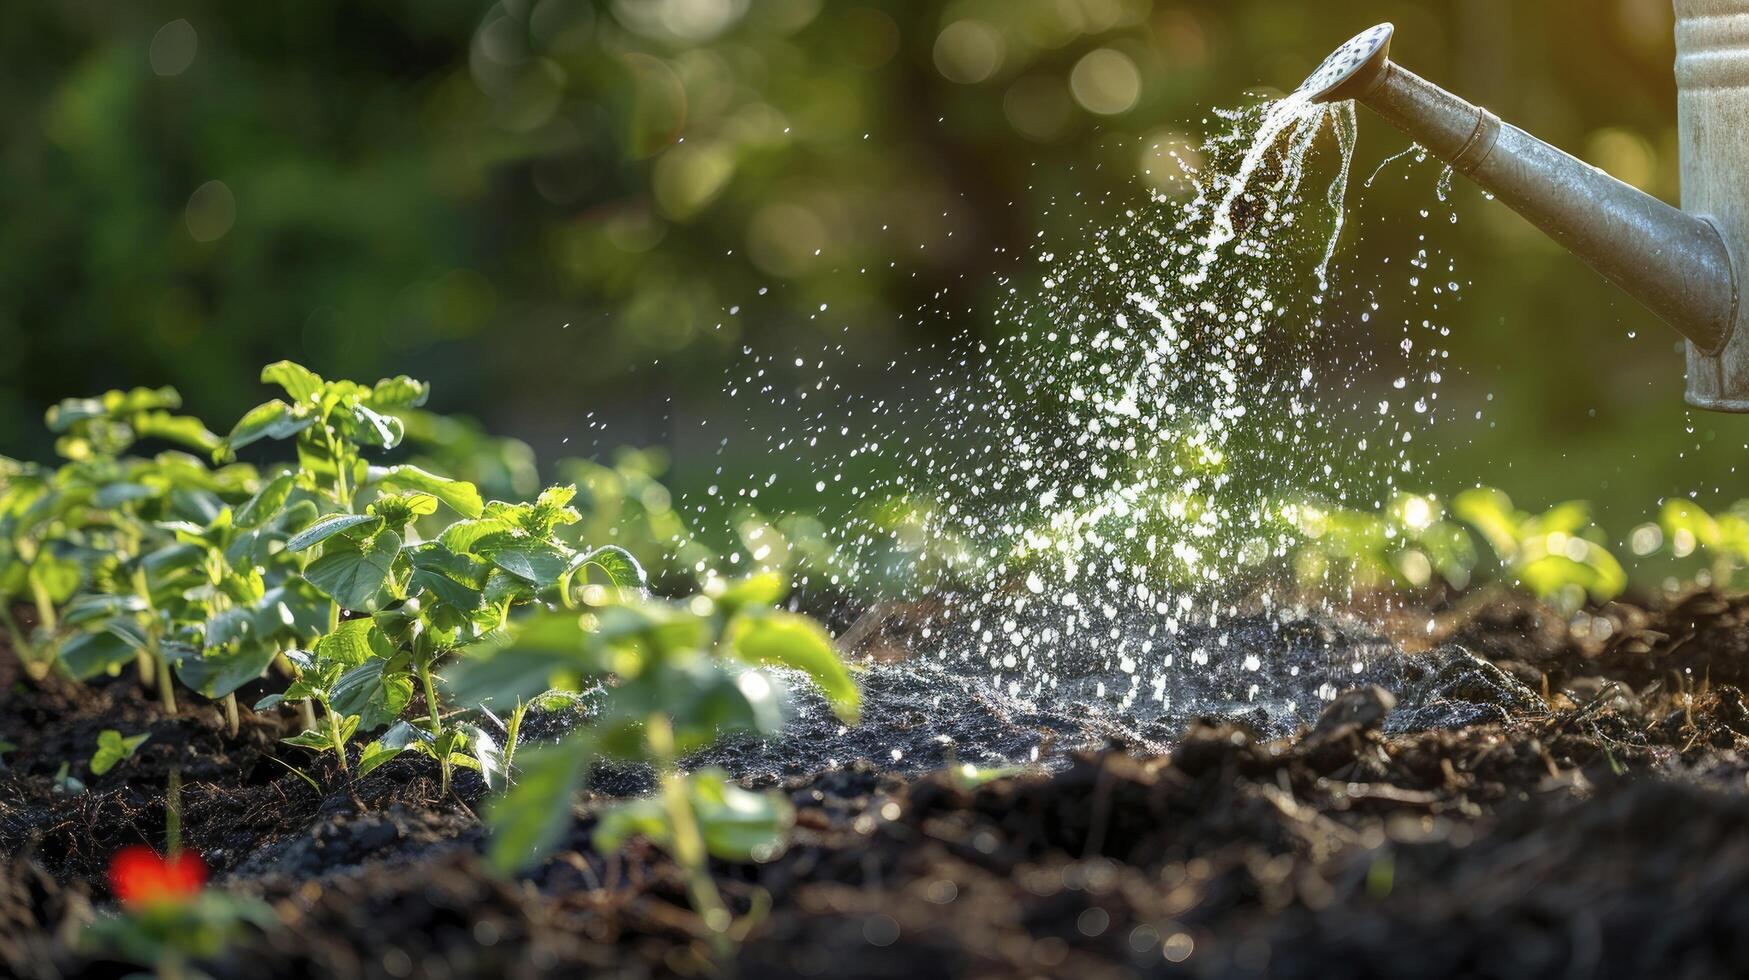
<point x="354" y="580"/>
<point x="113" y="747"/>
<point x="685" y="674"/>
<point x="1724" y="538"/>
<point x="1407" y="544"/>
<point x="1558" y="555"/>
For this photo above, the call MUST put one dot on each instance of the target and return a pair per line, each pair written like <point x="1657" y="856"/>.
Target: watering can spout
<point x="1677" y="263"/>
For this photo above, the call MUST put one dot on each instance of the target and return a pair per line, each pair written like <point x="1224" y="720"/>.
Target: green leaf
<point x="1491" y="512"/>
<point x="377" y="691"/>
<point x="737" y="825"/>
<point x="320" y="740"/>
<point x="326" y="527"/>
<point x="461" y="536"/>
<point x="112" y="748"/>
<point x="371" y="428"/>
<point x="218" y="672"/>
<point x="530" y="818"/>
<point x="459" y="495"/>
<point x="398" y="392"/>
<point x="1566" y="518"/>
<point x="102" y="651"/>
<point x="72" y="411"/>
<point x="300" y="383"/>
<point x="487" y="755"/>
<point x="622" y="570"/>
<point x="269" y="420"/>
<point x="65" y="783"/>
<point x="704" y="700"/>
<point x="785" y="639"/>
<point x="374" y="756"/>
<point x="353" y="577"/>
<point x="529" y="559"/>
<point x="265" y="503"/>
<point x="117" y="495"/>
<point x="633" y="818"/>
<point x="352" y="643"/>
<point x="112" y="404"/>
<point x="455" y="580"/>
<point x="90" y="607"/>
<point x="763" y="589"/>
<point x="401" y="509"/>
<point x="57" y="577"/>
<point x="389" y="745"/>
<point x="182" y="429"/>
<point x="513" y="675"/>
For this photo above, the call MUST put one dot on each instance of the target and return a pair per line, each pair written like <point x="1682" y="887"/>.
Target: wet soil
<point x="1508" y="792"/>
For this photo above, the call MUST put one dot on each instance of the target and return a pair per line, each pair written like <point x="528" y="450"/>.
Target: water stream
<point x="1093" y="511"/>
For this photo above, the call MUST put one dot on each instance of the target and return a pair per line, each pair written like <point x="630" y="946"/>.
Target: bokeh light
<point x="1106" y="81"/>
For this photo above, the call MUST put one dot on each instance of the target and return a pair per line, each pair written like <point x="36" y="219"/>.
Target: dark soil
<point x="1521" y="795"/>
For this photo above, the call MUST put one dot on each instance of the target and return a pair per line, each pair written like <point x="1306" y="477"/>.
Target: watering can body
<point x="1712" y="109"/>
<point x="1683" y="264"/>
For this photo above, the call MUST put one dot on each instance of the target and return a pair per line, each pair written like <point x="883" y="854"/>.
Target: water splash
<point x="1090" y="502"/>
<point x="1300" y="120"/>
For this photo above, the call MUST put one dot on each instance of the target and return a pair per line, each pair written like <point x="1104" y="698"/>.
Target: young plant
<point x="1407" y="544"/>
<point x="675" y="677"/>
<point x="1723" y="539"/>
<point x="113" y="747"/>
<point x="89" y="542"/>
<point x="403" y="589"/>
<point x="1558" y="555"/>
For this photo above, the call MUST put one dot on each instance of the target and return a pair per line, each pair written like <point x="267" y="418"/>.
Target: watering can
<point x="1681" y="264"/>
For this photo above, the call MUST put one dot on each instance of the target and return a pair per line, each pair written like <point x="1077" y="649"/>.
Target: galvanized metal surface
<point x="1679" y="263"/>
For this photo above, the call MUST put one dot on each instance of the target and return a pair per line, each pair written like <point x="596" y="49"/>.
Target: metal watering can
<point x="1684" y="265"/>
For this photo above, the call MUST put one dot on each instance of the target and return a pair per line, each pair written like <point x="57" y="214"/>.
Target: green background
<point x="549" y="209"/>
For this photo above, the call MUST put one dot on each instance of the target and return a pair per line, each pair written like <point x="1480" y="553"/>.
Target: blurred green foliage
<point x="561" y="207"/>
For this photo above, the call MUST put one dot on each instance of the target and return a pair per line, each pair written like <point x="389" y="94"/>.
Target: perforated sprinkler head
<point x="1351" y="68"/>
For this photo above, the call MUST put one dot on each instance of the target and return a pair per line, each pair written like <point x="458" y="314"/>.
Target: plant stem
<point x="339" y="742"/>
<point x="424" y="666"/>
<point x="166" y="689"/>
<point x="45" y="609"/>
<point x="231" y="718"/>
<point x="510" y="734"/>
<point x="689" y="847"/>
<point x="341" y="491"/>
<point x="173" y="813"/>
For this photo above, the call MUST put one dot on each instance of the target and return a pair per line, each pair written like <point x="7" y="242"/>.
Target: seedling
<point x="113" y="747"/>
<point x="1406" y="545"/>
<point x="688" y="674"/>
<point x="1557" y="555"/>
<point x="1724" y="539"/>
<point x="66" y="784"/>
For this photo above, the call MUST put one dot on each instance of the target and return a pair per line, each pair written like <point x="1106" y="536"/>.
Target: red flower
<point x="138" y="876"/>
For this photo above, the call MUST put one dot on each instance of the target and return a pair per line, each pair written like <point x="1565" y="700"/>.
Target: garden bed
<point x="1566" y="799"/>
